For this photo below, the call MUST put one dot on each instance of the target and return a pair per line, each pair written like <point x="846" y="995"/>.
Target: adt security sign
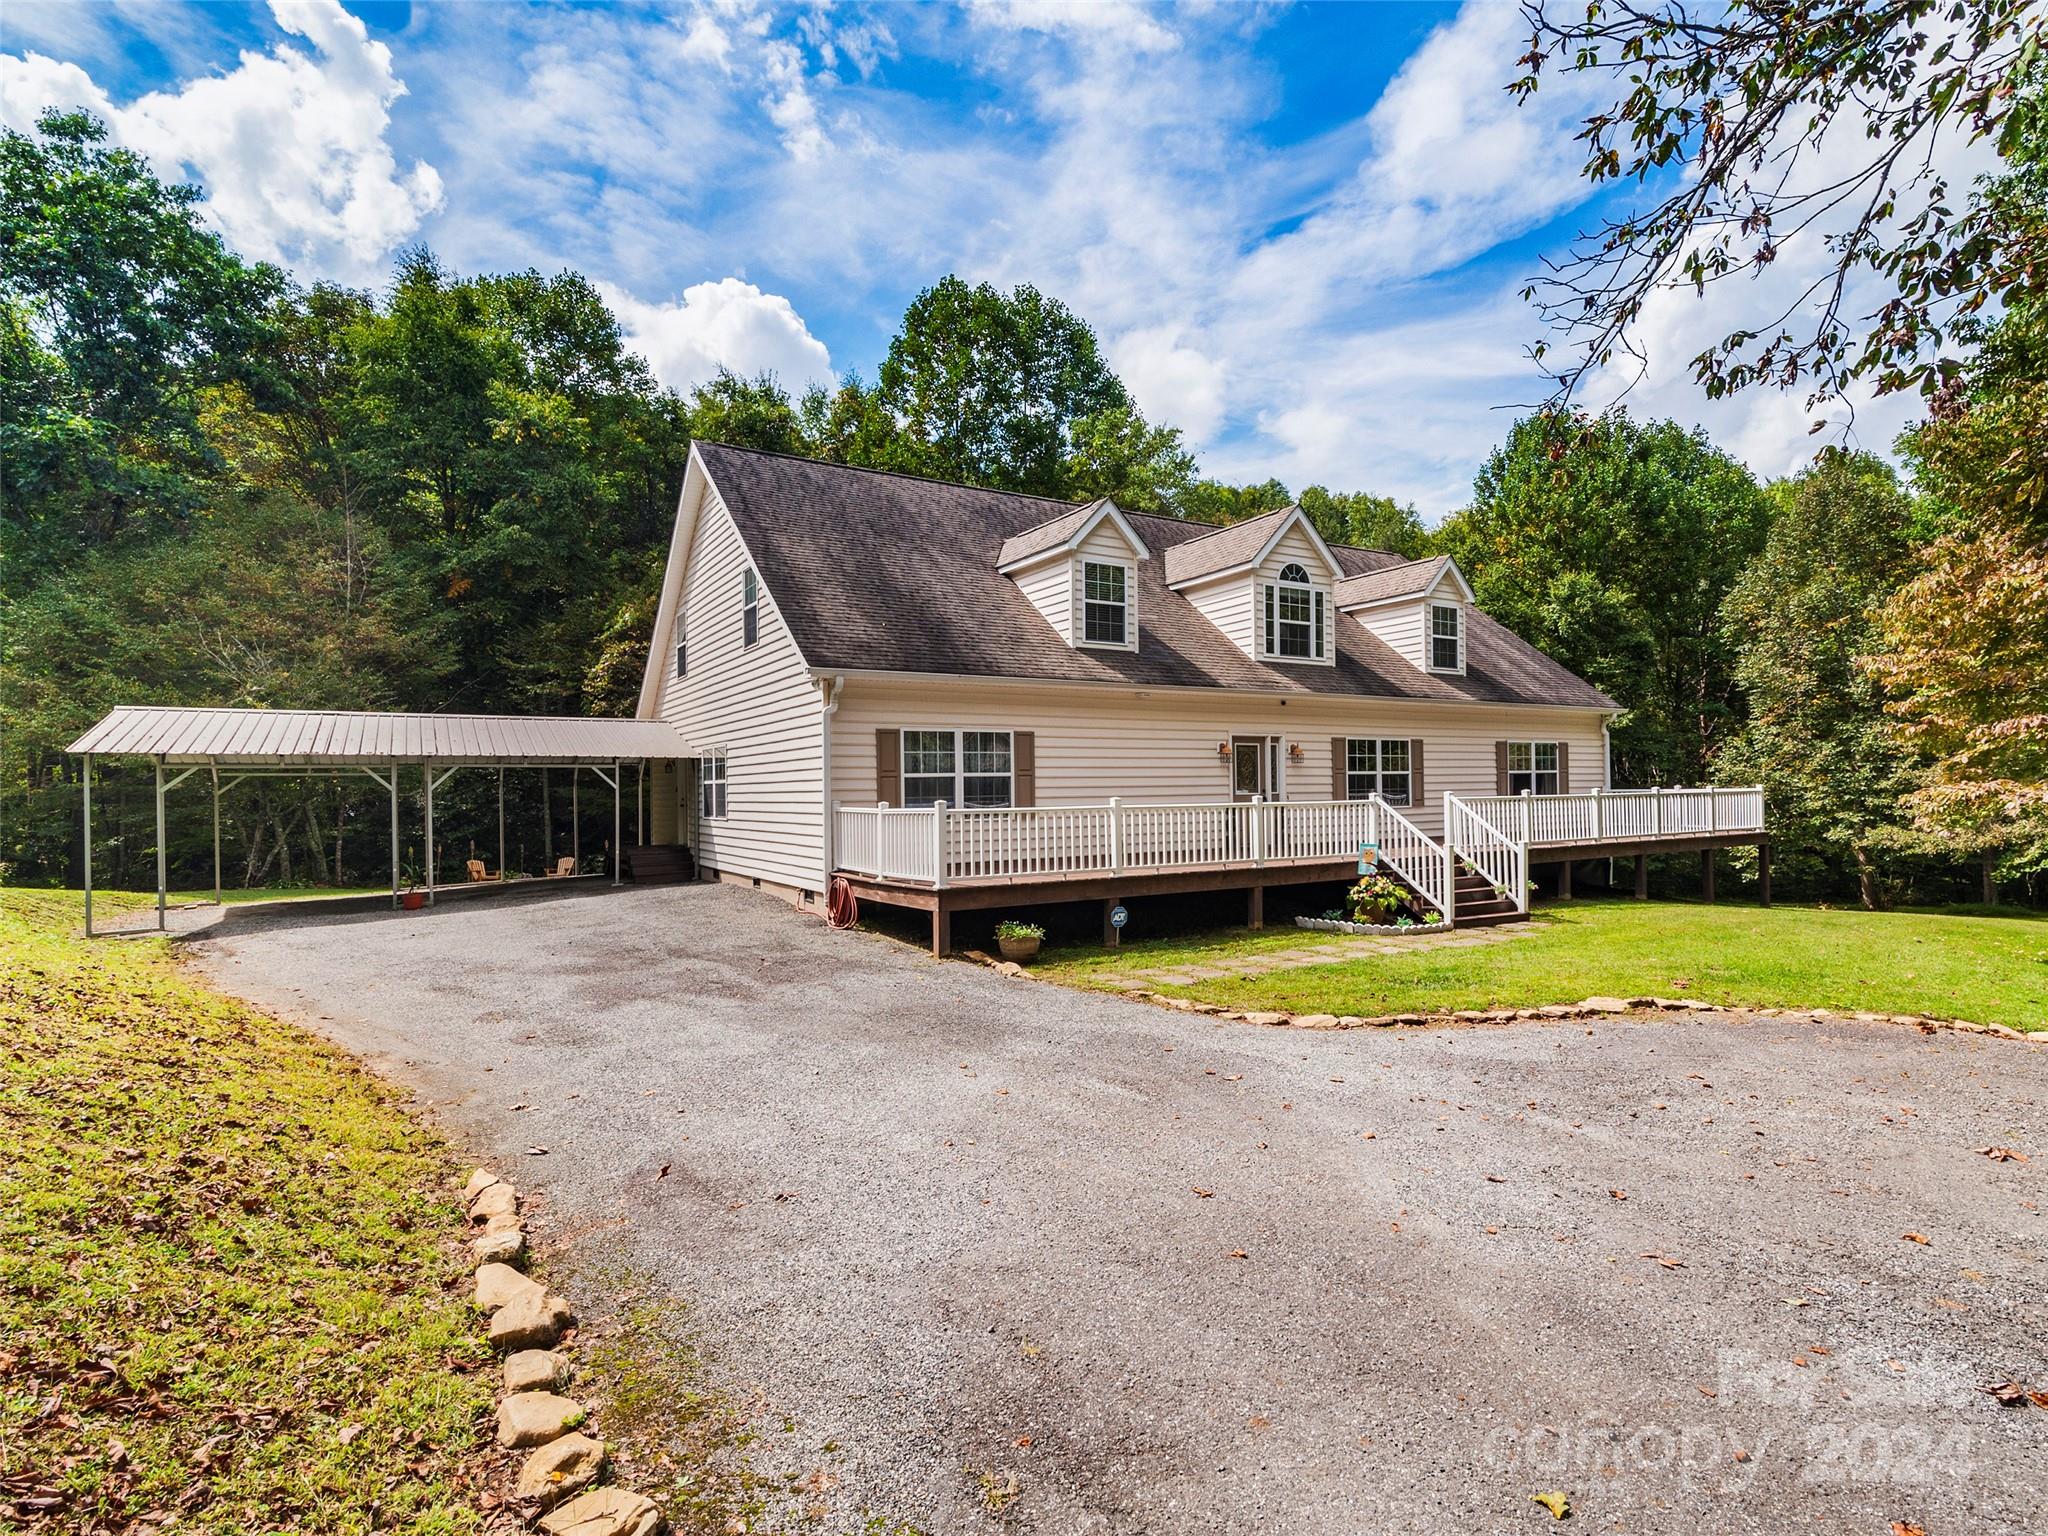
<point x="1118" y="917"/>
<point x="1368" y="857"/>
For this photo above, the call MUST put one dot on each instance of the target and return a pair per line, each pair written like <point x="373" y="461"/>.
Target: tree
<point x="747" y="413"/>
<point x="1212" y="501"/>
<point x="1610" y="543"/>
<point x="1366" y="521"/>
<point x="1772" y="120"/>
<point x="117" y="312"/>
<point x="1118" y="454"/>
<point x="1802" y="621"/>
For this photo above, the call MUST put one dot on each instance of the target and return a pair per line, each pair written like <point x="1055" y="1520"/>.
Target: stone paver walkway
<point x="1331" y="952"/>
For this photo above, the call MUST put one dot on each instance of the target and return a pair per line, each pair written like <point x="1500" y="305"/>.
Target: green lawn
<point x="222" y="1256"/>
<point x="1991" y="969"/>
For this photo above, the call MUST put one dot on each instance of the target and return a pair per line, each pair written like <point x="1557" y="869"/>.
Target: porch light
<point x="1294" y="751"/>
<point x="1223" y="749"/>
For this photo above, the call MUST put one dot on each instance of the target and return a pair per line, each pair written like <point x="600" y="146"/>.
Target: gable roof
<point x="1237" y="545"/>
<point x="879" y="572"/>
<point x="1066" y="532"/>
<point x="1410" y="579"/>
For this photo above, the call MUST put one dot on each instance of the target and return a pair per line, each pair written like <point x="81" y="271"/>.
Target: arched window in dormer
<point x="1294" y="616"/>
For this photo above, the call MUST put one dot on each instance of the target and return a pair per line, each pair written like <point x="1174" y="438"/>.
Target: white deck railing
<point x="1621" y="815"/>
<point x="1502" y="859"/>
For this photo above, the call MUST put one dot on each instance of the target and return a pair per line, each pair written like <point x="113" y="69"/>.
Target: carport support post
<point x="1763" y="874"/>
<point x="163" y="867"/>
<point x="501" y="823"/>
<point x="214" y="772"/>
<point x="617" y="810"/>
<point x="394" y="832"/>
<point x="640" y="803"/>
<point x="85" y="775"/>
<point x="427" y="777"/>
<point x="547" y="822"/>
<point x="576" y="816"/>
<point x="1642" y="877"/>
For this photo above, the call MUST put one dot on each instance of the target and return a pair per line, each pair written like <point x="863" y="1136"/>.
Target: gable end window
<point x="973" y="769"/>
<point x="1105" y="603"/>
<point x="711" y="787"/>
<point x="1446" y="637"/>
<point x="1377" y="766"/>
<point x="1294" y="616"/>
<point x="750" y="609"/>
<point x="1532" y="767"/>
<point x="682" y="657"/>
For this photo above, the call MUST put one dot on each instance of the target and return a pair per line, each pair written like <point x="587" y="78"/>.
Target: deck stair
<point x="1479" y="903"/>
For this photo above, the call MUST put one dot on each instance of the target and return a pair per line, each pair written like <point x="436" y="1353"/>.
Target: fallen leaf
<point x="349" y="1432"/>
<point x="1494" y="1178"/>
<point x="1205" y="1194"/>
<point x="1030" y="1349"/>
<point x="1023" y="1442"/>
<point x="1706" y="1391"/>
<point x="1258" y="1421"/>
<point x="1558" y="1505"/>
<point x="1795" y="1301"/>
<point x="1619" y="1194"/>
<point x="1234" y="1077"/>
<point x="1666" y="1260"/>
<point x="1239" y="1253"/>
<point x="1914" y="1237"/>
<point x="536" y="1151"/>
<point x="664" y="1172"/>
<point x="2008" y="1394"/>
<point x="2002" y="1154"/>
<point x="1907" y="1528"/>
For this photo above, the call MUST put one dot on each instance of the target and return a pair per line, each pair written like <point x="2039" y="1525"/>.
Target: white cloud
<point x="1114" y="22"/>
<point x="728" y="324"/>
<point x="1174" y="383"/>
<point x="289" y="145"/>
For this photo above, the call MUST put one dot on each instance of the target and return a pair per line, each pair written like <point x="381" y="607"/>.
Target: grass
<point x="223" y="1250"/>
<point x="1992" y="970"/>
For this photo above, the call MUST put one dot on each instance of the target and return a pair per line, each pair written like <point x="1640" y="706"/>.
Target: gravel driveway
<point x="1172" y="1275"/>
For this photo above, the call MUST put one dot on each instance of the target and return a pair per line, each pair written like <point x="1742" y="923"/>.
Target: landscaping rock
<point x="504" y="1221"/>
<point x="479" y="1181"/>
<point x="1604" y="1005"/>
<point x="1265" y="1018"/>
<point x="499" y="1284"/>
<point x="535" y="1370"/>
<point x="604" y="1512"/>
<point x="1350" y="1021"/>
<point x="534" y="1321"/>
<point x="1316" y="1021"/>
<point x="503" y="1247"/>
<point x="493" y="1200"/>
<point x="535" y="1418"/>
<point x="560" y="1468"/>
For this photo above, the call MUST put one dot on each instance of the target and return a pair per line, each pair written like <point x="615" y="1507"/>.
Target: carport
<point x="230" y="745"/>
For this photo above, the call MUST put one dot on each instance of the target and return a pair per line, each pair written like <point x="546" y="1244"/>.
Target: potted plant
<point x="1374" y="899"/>
<point x="1019" y="941"/>
<point x="412" y="898"/>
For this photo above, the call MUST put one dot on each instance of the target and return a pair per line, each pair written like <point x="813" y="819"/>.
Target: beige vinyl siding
<point x="1105" y="543"/>
<point x="1051" y="590"/>
<point x="1295" y="548"/>
<point x="1404" y="626"/>
<point x="1095" y="743"/>
<point x="755" y="704"/>
<point x="1228" y="605"/>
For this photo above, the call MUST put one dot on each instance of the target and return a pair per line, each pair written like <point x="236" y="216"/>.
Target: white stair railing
<point x="1503" y="860"/>
<point x="1415" y="856"/>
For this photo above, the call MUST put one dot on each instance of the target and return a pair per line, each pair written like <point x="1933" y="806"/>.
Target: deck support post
<point x="1564" y="881"/>
<point x="163" y="868"/>
<point x="942" y="928"/>
<point x="1707" y="875"/>
<point x="1112" y="936"/>
<point x="1642" y="877"/>
<point x="85" y="778"/>
<point x="1255" y="906"/>
<point x="1763" y="874"/>
<point x="213" y="772"/>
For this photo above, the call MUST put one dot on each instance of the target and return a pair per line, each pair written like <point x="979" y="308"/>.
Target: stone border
<point x="1339" y="925"/>
<point x="557" y="1485"/>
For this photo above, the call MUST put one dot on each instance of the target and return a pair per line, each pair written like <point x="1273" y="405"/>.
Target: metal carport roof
<point x="319" y="736"/>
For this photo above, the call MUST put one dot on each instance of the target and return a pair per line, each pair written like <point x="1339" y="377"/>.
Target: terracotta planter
<point x="1023" y="951"/>
<point x="1373" y="915"/>
<point x="412" y="901"/>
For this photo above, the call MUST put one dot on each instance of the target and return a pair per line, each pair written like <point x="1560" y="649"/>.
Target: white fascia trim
<point x="1427" y="595"/>
<point x="1071" y="544"/>
<point x="1124" y="685"/>
<point x="1332" y="569"/>
<point x="689" y="503"/>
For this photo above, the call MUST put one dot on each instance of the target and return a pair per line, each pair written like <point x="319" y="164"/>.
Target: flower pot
<point x="1022" y="951"/>
<point x="1373" y="915"/>
<point x="412" y="901"/>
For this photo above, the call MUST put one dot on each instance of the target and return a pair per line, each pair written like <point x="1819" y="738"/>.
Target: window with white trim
<point x="1105" y="603"/>
<point x="1532" y="767"/>
<point x="682" y="657"/>
<point x="1446" y="637"/>
<point x="711" y="787"/>
<point x="1375" y="765"/>
<point x="750" y="608"/>
<point x="1294" y="616"/>
<point x="962" y="768"/>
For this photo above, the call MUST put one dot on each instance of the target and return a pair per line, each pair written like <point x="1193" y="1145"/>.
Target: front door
<point x="1249" y="775"/>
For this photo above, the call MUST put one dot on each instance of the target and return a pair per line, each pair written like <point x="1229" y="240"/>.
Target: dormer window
<point x="1294" y="616"/>
<point x="1446" y="637"/>
<point x="1105" y="602"/>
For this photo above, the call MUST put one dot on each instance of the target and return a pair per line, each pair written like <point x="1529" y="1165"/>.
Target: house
<point x="955" y="698"/>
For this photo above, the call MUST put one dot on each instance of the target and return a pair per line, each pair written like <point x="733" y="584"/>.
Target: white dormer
<point x="1080" y="571"/>
<point x="1268" y="583"/>
<point x="1422" y="610"/>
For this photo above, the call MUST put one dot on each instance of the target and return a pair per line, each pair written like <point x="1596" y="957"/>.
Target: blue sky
<point x="1299" y="230"/>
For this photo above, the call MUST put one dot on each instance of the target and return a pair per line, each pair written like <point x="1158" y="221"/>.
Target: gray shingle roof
<point x="1047" y="535"/>
<point x="1218" y="549"/>
<point x="878" y="572"/>
<point x="1410" y="579"/>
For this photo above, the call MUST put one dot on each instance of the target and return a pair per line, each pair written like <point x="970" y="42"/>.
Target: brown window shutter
<point x="1564" y="767"/>
<point x="1415" y="773"/>
<point x="1340" y="764"/>
<point x="888" y="767"/>
<point x="1023" y="768"/>
<point x="1500" y="767"/>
